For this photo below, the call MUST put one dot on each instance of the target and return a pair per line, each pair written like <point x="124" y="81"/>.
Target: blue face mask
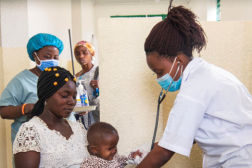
<point x="46" y="63"/>
<point x="166" y="80"/>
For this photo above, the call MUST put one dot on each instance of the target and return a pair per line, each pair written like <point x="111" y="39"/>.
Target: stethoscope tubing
<point x="160" y="100"/>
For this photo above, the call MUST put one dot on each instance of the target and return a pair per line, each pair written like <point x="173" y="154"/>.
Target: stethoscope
<point x="160" y="99"/>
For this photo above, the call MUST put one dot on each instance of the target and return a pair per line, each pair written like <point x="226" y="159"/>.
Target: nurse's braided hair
<point x="179" y="32"/>
<point x="49" y="82"/>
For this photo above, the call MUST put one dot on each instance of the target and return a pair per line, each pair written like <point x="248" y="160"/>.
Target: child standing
<point x="103" y="138"/>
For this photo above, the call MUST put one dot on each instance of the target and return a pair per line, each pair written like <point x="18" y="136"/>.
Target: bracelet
<point x="23" y="108"/>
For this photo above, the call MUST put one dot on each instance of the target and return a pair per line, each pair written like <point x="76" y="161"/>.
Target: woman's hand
<point x="156" y="158"/>
<point x="28" y="107"/>
<point x="13" y="112"/>
<point x="94" y="84"/>
<point x="84" y="113"/>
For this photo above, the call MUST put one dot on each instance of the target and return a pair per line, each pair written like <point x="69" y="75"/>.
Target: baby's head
<point x="103" y="138"/>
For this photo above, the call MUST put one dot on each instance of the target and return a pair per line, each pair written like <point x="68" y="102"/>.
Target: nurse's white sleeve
<point x="183" y="123"/>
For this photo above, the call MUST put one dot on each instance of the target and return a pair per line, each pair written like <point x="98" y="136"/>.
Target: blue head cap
<point x="41" y="40"/>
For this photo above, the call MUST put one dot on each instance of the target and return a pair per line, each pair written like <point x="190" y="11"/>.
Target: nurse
<point x="212" y="107"/>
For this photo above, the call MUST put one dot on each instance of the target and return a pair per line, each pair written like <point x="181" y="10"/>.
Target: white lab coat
<point x="214" y="108"/>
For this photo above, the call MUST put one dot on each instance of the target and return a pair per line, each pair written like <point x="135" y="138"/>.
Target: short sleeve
<point x="12" y="94"/>
<point x="27" y="139"/>
<point x="183" y="123"/>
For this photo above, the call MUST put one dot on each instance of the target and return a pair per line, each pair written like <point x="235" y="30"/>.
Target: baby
<point x="103" y="138"/>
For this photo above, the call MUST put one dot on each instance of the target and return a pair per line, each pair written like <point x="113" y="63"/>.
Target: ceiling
<point x="138" y="1"/>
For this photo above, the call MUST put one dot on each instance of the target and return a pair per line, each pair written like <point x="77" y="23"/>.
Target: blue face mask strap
<point x="160" y="99"/>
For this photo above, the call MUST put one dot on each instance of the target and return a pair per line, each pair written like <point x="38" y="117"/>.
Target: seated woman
<point x="47" y="139"/>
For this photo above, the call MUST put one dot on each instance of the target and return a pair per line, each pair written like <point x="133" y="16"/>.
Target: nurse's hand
<point x="156" y="158"/>
<point x="28" y="107"/>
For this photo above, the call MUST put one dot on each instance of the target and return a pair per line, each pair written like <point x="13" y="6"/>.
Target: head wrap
<point x="41" y="40"/>
<point x="49" y="82"/>
<point x="86" y="44"/>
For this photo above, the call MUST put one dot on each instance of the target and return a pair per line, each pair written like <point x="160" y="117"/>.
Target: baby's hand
<point x="136" y="153"/>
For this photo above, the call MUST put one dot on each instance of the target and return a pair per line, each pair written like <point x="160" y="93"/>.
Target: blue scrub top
<point x="21" y="89"/>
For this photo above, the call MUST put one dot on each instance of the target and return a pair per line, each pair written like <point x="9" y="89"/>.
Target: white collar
<point x="190" y="66"/>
